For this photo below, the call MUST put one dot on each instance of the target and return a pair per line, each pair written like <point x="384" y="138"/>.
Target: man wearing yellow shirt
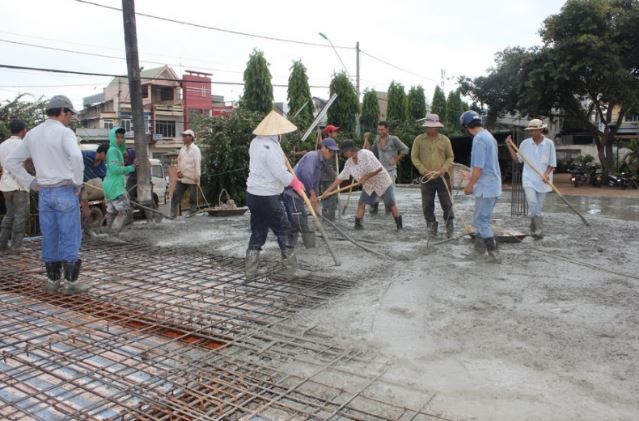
<point x="432" y="155"/>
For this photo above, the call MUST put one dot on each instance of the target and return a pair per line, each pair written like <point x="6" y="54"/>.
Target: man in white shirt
<point x="16" y="198"/>
<point x="189" y="165"/>
<point x="268" y="176"/>
<point x="375" y="180"/>
<point x="540" y="153"/>
<point x="59" y="166"/>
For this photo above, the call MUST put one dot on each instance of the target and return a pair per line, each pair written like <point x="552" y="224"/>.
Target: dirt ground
<point x="551" y="333"/>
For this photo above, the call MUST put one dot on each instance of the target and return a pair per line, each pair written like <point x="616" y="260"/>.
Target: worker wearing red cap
<point x="329" y="173"/>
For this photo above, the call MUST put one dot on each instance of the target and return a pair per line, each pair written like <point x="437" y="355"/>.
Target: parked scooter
<point x="578" y="176"/>
<point x="622" y="180"/>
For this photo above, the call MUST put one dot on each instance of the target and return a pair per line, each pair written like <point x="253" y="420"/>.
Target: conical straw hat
<point x="274" y="124"/>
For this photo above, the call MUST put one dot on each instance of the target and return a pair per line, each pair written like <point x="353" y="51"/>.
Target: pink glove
<point x="297" y="185"/>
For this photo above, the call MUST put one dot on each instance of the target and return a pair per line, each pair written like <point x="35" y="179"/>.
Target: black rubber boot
<point x="399" y="223"/>
<point x="251" y="264"/>
<point x="308" y="239"/>
<point x="54" y="273"/>
<point x="71" y="274"/>
<point x="491" y="248"/>
<point x="374" y="210"/>
<point x="479" y="247"/>
<point x="291" y="270"/>
<point x="432" y="229"/>
<point x="537" y="227"/>
<point x="358" y="224"/>
<point x="450" y="228"/>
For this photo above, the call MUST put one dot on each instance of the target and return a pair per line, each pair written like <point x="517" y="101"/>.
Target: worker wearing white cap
<point x="268" y="177"/>
<point x="189" y="166"/>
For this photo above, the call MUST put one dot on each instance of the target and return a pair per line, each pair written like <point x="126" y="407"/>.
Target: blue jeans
<point x="484" y="207"/>
<point x="296" y="211"/>
<point x="269" y="212"/>
<point x="59" y="212"/>
<point x="535" y="201"/>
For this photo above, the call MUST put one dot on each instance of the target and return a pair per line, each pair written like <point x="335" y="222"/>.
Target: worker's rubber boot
<point x="479" y="247"/>
<point x="308" y="238"/>
<point x="450" y="228"/>
<point x="358" y="224"/>
<point x="291" y="270"/>
<point x="374" y="210"/>
<point x="54" y="273"/>
<point x="399" y="223"/>
<point x="431" y="227"/>
<point x="4" y="239"/>
<point x="16" y="243"/>
<point x="118" y="223"/>
<point x="537" y="227"/>
<point x="251" y="264"/>
<point x="491" y="248"/>
<point x="71" y="283"/>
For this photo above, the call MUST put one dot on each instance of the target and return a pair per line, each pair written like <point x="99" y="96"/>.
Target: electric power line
<point x="397" y="67"/>
<point x="75" y="72"/>
<point x="213" y="28"/>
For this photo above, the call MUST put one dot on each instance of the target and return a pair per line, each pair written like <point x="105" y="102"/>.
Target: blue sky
<point x="421" y="37"/>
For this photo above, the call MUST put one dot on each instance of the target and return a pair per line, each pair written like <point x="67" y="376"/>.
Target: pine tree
<point x="344" y="110"/>
<point x="258" y="90"/>
<point x="396" y="111"/>
<point x="416" y="103"/>
<point x="370" y="111"/>
<point x="454" y="108"/>
<point x="438" y="106"/>
<point x="299" y="95"/>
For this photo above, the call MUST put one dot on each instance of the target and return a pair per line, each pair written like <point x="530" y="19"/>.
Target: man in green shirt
<point x="432" y="155"/>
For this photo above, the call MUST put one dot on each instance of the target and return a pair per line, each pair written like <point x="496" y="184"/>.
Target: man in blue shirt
<point x="94" y="166"/>
<point x="309" y="171"/>
<point x="484" y="183"/>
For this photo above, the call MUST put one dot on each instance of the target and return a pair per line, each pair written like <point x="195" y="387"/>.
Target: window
<point x="165" y="128"/>
<point x="145" y="92"/>
<point x="108" y="124"/>
<point x="166" y="94"/>
<point x="634" y="118"/>
<point x="157" y="171"/>
<point x="126" y="125"/>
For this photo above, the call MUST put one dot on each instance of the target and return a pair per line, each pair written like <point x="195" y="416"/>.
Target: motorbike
<point x="578" y="176"/>
<point x="622" y="180"/>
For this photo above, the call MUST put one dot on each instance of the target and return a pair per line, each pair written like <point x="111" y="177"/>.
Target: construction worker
<point x="189" y="166"/>
<point x="118" y="205"/>
<point x="432" y="155"/>
<point x="389" y="150"/>
<point x="329" y="172"/>
<point x="268" y="176"/>
<point x="539" y="152"/>
<point x="57" y="159"/>
<point x="16" y="198"/>
<point x="376" y="183"/>
<point x="308" y="170"/>
<point x="94" y="173"/>
<point x="484" y="182"/>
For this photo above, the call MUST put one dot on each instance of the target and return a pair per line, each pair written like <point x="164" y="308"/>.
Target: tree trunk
<point x="601" y="152"/>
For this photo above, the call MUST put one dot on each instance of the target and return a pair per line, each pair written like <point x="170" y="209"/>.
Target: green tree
<point x="258" y="90"/>
<point x="225" y="141"/>
<point x="416" y="103"/>
<point x="299" y="95"/>
<point x="370" y="111"/>
<point x="586" y="69"/>
<point x="343" y="112"/>
<point x="438" y="106"/>
<point x="454" y="108"/>
<point x="31" y="112"/>
<point x="396" y="108"/>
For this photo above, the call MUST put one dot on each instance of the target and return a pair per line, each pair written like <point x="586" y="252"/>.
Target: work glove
<point x="297" y="185"/>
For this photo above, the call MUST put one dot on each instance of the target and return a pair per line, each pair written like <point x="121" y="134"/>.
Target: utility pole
<point x="137" y="108"/>
<point x="357" y="127"/>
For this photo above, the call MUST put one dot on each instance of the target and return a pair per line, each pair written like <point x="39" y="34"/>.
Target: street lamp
<point x="336" y="53"/>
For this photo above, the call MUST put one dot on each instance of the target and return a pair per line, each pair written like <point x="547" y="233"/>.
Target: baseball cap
<point x="330" y="128"/>
<point x="347" y="145"/>
<point x="189" y="132"/>
<point x="330" y="144"/>
<point x="61" y="101"/>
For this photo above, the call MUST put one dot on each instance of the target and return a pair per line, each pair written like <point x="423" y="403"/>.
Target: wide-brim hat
<point x="535" y="124"/>
<point x="431" y="120"/>
<point x="274" y="124"/>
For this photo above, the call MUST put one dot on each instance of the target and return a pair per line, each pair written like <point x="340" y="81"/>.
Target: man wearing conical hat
<point x="268" y="176"/>
<point x="539" y="152"/>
